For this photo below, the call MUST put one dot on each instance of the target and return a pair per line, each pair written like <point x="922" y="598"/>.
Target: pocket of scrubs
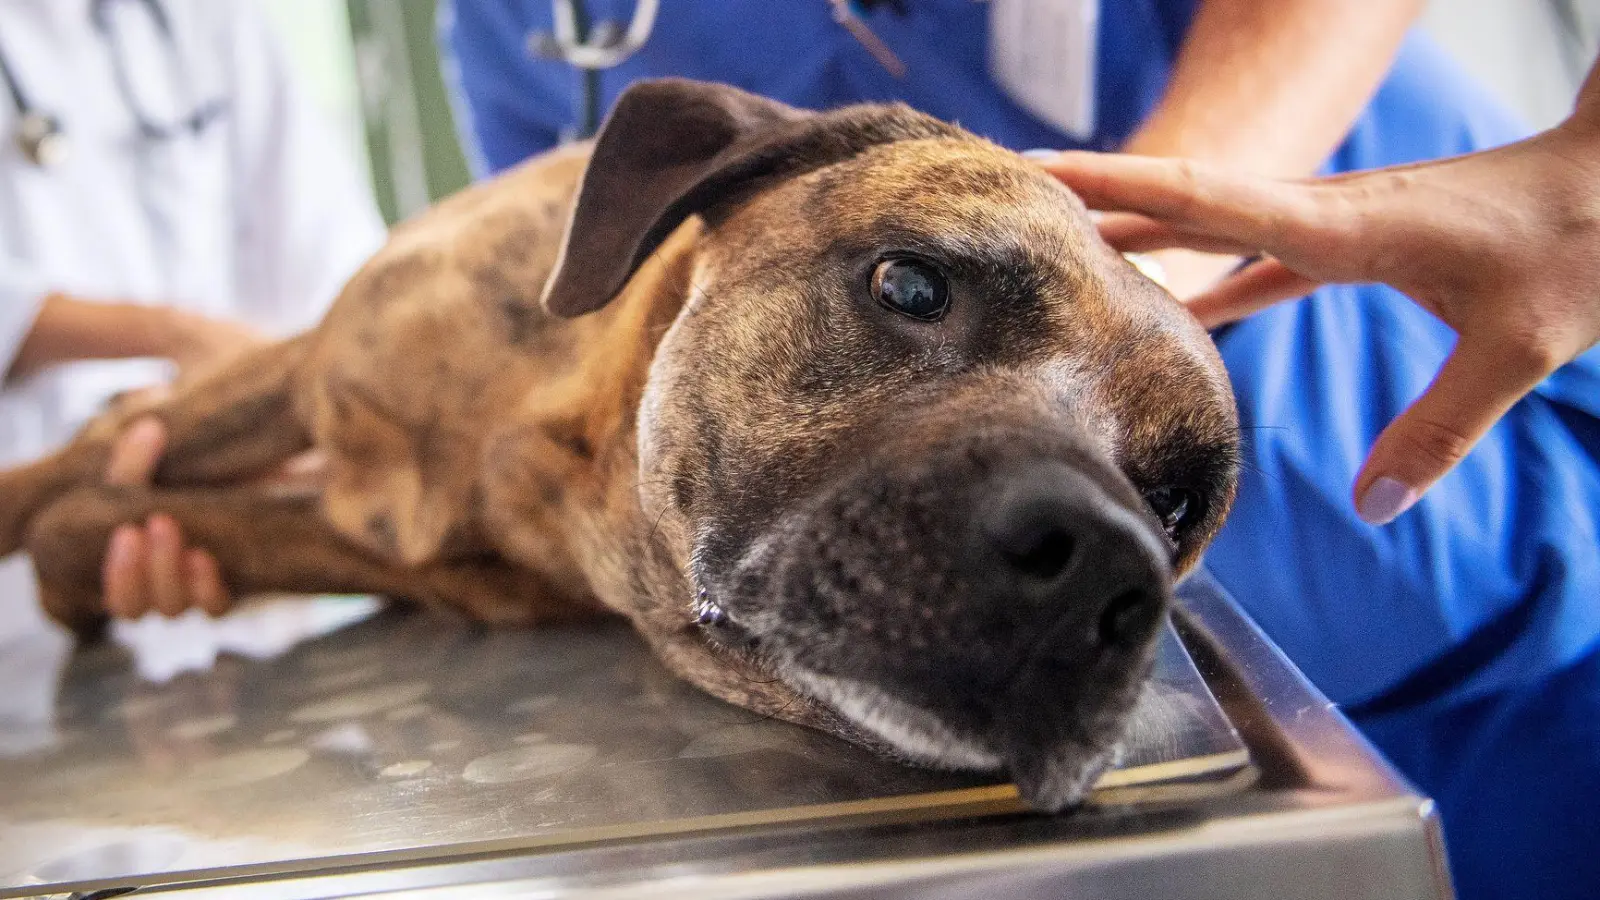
<point x="1042" y="53"/>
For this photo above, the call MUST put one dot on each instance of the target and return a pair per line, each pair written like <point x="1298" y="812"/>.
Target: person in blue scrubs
<point x="1463" y="638"/>
<point x="1503" y="246"/>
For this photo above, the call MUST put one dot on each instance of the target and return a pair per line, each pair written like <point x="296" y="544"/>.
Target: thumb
<point x="1477" y="385"/>
<point x="136" y="452"/>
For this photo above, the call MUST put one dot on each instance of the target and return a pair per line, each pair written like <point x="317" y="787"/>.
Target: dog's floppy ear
<point x="673" y="147"/>
<point x="662" y="139"/>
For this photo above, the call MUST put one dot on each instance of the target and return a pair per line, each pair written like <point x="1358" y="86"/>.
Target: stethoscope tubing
<point x="40" y="132"/>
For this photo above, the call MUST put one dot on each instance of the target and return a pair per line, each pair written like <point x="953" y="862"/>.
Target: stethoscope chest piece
<point x="41" y="138"/>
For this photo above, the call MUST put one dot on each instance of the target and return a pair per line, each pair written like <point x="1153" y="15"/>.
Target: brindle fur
<point x="489" y="455"/>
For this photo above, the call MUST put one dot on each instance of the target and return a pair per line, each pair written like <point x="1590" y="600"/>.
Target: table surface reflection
<point x="343" y="727"/>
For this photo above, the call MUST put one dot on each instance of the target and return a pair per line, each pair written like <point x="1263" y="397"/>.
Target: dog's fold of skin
<point x="663" y="375"/>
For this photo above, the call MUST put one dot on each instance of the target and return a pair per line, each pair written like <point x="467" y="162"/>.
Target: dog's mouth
<point x="939" y="662"/>
<point x="980" y="600"/>
<point x="917" y="733"/>
<point x="901" y="728"/>
<point x="1054" y="758"/>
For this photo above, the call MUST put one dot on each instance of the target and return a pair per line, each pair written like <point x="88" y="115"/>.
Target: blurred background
<point x="372" y="66"/>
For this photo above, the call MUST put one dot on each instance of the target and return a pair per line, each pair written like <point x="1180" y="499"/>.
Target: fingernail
<point x="1385" y="500"/>
<point x="163" y="531"/>
<point x="1040" y="154"/>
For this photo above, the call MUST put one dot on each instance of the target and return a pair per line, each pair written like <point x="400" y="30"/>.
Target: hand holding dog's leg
<point x="258" y="540"/>
<point x="148" y="567"/>
<point x="230" y="424"/>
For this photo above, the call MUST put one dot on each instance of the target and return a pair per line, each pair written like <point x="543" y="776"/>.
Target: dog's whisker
<point x="653" y="528"/>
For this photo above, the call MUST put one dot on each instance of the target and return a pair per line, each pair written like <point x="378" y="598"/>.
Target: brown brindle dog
<point x="851" y="413"/>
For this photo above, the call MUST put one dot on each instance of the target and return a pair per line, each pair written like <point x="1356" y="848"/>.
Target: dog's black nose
<point x="1056" y="540"/>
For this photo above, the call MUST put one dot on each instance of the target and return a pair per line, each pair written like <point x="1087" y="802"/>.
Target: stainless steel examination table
<point x="376" y="752"/>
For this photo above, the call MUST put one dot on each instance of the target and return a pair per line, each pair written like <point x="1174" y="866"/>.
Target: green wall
<point x="410" y="134"/>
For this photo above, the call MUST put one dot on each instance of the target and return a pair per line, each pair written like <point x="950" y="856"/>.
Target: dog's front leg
<point x="269" y="539"/>
<point x="237" y="422"/>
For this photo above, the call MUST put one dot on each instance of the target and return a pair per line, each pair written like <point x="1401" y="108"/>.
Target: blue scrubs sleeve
<point x="501" y="118"/>
<point x="1464" y="638"/>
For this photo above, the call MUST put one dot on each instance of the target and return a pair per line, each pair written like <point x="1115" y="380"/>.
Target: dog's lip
<point x="1053" y="779"/>
<point x="914" y="731"/>
<point x="1050" y="781"/>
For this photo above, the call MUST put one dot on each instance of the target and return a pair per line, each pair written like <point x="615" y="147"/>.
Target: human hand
<point x="198" y="344"/>
<point x="148" y="567"/>
<point x="1501" y="246"/>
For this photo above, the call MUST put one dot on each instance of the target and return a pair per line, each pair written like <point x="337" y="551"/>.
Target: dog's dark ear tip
<point x="663" y="137"/>
<point x="568" y="303"/>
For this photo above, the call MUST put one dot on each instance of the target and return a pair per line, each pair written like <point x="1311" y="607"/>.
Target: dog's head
<point x="932" y="451"/>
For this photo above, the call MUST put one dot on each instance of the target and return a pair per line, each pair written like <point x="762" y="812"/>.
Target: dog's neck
<point x="580" y="432"/>
<point x="614" y="364"/>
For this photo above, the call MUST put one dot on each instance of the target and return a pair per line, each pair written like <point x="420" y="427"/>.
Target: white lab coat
<point x="260" y="217"/>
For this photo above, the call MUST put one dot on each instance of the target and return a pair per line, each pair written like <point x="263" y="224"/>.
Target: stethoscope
<point x="41" y="135"/>
<point x="589" y="47"/>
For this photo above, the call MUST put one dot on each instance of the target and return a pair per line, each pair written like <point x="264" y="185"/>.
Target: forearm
<point x="1271" y="86"/>
<point x="68" y="328"/>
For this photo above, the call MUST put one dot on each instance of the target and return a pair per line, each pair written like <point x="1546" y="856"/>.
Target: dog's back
<point x="427" y="349"/>
<point x="431" y="345"/>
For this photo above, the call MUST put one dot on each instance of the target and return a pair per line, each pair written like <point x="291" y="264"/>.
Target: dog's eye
<point x="912" y="288"/>
<point x="1176" y="507"/>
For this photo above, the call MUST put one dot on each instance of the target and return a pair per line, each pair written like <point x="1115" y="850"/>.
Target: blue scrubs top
<point x="1465" y="637"/>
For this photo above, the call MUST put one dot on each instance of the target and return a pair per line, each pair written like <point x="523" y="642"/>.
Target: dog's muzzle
<point x="989" y="602"/>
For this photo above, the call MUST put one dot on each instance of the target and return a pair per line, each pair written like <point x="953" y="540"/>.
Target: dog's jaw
<point x="1052" y="775"/>
<point x="1051" y="781"/>
<point x="915" y="733"/>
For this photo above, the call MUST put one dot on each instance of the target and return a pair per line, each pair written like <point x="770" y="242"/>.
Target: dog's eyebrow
<point x="991" y="254"/>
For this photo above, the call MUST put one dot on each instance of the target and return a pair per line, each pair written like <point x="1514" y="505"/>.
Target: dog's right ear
<point x="673" y="147"/>
<point x="662" y="139"/>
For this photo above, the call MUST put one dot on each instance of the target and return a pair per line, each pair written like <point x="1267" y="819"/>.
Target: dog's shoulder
<point x="480" y="256"/>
